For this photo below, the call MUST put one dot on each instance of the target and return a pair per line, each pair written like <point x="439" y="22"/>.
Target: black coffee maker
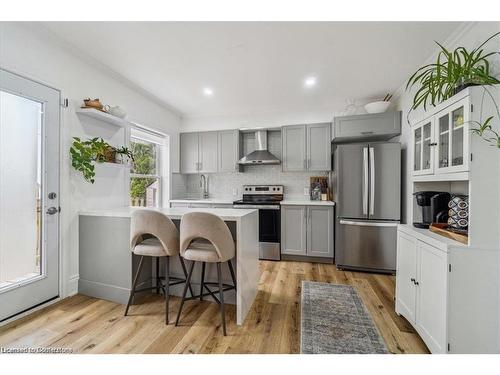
<point x="434" y="207"/>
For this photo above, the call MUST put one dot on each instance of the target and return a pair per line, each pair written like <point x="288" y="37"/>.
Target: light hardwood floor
<point x="89" y="325"/>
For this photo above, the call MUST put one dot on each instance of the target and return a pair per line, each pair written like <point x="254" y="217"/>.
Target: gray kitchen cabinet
<point x="229" y="150"/>
<point x="306" y="147"/>
<point x="189" y="152"/>
<point x="319" y="147"/>
<point x="207" y="154"/>
<point x="294" y="157"/>
<point x="376" y="126"/>
<point x="293" y="230"/>
<point x="307" y="231"/>
<point x="320" y="231"/>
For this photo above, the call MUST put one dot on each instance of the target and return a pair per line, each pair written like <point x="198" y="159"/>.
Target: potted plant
<point x="84" y="155"/>
<point x="452" y="72"/>
<point x="123" y="155"/>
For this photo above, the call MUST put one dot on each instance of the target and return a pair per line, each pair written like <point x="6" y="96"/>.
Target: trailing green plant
<point x="84" y="155"/>
<point x="453" y="71"/>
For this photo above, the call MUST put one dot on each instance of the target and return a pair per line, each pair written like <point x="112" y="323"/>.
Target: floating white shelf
<point x="99" y="115"/>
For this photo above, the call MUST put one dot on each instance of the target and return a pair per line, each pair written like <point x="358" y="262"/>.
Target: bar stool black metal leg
<point x="158" y="275"/>
<point x="188" y="281"/>
<point x="221" y="294"/>
<point x="167" y="287"/>
<point x="185" y="275"/>
<point x="134" y="284"/>
<point x="202" y="279"/>
<point x="232" y="272"/>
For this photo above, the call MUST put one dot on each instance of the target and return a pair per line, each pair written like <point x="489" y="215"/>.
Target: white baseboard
<point x="72" y="286"/>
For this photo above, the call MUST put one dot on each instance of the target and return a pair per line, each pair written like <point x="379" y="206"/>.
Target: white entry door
<point x="29" y="194"/>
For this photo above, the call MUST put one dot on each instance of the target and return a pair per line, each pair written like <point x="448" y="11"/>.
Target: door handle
<point x="412" y="280"/>
<point x="369" y="223"/>
<point x="372" y="180"/>
<point x="52" y="210"/>
<point x="365" y="180"/>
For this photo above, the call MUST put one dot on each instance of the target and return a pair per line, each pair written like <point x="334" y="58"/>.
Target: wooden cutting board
<point x="441" y="229"/>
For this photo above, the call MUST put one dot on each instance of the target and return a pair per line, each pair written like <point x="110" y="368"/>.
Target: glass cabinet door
<point x="417" y="149"/>
<point x="457" y="137"/>
<point x="422" y="149"/>
<point x="452" y="135"/>
<point x="426" y="147"/>
<point x="444" y="141"/>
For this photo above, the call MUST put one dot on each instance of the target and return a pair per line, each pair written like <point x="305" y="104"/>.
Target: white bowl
<point x="377" y="107"/>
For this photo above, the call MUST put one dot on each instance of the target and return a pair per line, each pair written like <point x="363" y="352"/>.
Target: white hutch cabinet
<point x="449" y="291"/>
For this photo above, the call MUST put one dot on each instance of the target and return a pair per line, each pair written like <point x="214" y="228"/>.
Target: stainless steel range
<point x="265" y="198"/>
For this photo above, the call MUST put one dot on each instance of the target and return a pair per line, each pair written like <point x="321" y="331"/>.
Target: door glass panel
<point x="457" y="147"/>
<point x="418" y="149"/>
<point x="426" y="153"/>
<point x="444" y="140"/>
<point x="20" y="189"/>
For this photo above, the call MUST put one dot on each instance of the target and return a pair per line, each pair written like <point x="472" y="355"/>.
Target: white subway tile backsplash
<point x="222" y="185"/>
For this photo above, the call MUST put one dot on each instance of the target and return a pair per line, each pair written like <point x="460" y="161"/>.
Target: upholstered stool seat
<point x="150" y="247"/>
<point x="206" y="238"/>
<point x="201" y="252"/>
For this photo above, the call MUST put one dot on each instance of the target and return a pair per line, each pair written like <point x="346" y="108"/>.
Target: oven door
<point x="270" y="234"/>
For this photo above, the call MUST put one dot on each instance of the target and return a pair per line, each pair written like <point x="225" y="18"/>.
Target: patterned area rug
<point x="335" y="321"/>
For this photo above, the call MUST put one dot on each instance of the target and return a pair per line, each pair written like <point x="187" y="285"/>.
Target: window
<point x="146" y="173"/>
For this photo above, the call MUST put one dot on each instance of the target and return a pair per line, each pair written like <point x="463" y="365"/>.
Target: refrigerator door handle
<point x="365" y="180"/>
<point x="372" y="181"/>
<point x="369" y="223"/>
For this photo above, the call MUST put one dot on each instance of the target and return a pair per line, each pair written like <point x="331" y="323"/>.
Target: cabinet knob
<point x="412" y="280"/>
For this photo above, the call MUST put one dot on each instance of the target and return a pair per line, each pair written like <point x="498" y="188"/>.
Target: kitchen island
<point x="106" y="264"/>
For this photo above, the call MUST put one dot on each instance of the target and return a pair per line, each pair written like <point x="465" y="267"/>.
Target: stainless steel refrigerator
<point x="368" y="181"/>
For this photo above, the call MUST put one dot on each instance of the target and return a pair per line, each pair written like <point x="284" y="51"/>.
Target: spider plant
<point x="452" y="72"/>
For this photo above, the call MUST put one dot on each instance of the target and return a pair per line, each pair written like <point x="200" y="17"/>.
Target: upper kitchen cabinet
<point x="374" y="127"/>
<point x="441" y="143"/>
<point x="189" y="160"/>
<point x="229" y="150"/>
<point x="207" y="142"/>
<point x="294" y="148"/>
<point x="306" y="147"/>
<point x="209" y="152"/>
<point x="319" y="154"/>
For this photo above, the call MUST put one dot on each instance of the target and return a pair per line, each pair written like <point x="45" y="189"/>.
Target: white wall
<point x="31" y="51"/>
<point x="470" y="36"/>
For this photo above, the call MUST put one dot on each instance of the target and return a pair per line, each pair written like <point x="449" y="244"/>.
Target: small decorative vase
<point x="458" y="214"/>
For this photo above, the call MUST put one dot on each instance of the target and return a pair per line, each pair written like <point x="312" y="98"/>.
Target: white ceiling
<point x="258" y="67"/>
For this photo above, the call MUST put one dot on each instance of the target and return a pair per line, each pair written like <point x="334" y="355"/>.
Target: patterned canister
<point x="458" y="214"/>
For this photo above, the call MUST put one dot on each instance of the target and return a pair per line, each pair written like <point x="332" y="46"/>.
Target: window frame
<point x="158" y="140"/>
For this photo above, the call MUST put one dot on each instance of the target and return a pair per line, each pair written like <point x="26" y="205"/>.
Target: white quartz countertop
<point x="227" y="214"/>
<point x="306" y="202"/>
<point x="201" y="200"/>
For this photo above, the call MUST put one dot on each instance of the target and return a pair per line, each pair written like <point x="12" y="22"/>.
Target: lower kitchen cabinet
<point x="421" y="289"/>
<point x="307" y="230"/>
<point x="448" y="292"/>
<point x="293" y="230"/>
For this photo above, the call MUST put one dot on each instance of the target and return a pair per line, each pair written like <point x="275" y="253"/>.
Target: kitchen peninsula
<point x="106" y="264"/>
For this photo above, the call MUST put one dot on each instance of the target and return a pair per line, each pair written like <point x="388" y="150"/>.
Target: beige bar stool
<point x="206" y="238"/>
<point x="153" y="234"/>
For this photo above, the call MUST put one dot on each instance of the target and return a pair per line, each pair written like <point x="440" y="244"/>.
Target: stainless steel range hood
<point x="261" y="155"/>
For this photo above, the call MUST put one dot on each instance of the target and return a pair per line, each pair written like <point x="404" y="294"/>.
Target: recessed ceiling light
<point x="207" y="91"/>
<point x="310" y="82"/>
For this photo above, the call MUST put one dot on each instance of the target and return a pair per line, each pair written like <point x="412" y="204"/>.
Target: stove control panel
<point x="263" y="189"/>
